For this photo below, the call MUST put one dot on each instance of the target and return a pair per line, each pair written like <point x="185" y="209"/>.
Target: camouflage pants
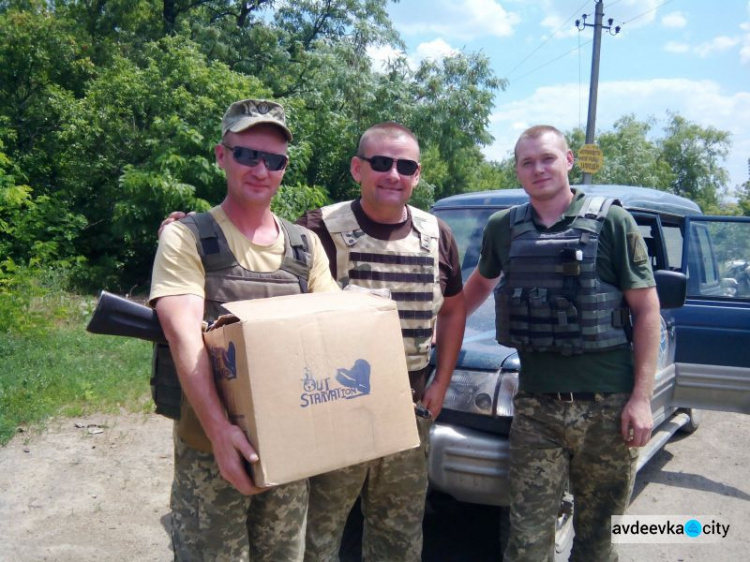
<point x="212" y="521"/>
<point x="393" y="491"/>
<point x="553" y="443"/>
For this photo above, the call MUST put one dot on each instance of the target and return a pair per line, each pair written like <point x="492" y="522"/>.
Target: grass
<point x="59" y="369"/>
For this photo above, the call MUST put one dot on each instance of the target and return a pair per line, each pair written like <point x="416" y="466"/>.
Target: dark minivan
<point x="704" y="356"/>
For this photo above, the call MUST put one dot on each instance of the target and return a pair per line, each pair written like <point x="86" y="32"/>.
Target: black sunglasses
<point x="385" y="163"/>
<point x="249" y="157"/>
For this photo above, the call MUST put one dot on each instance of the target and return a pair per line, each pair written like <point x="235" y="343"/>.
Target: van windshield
<point x="467" y="225"/>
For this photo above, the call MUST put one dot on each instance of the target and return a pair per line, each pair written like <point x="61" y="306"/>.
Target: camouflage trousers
<point x="553" y="443"/>
<point x="393" y="490"/>
<point x="212" y="521"/>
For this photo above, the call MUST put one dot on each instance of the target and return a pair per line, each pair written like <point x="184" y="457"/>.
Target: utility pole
<point x="594" y="84"/>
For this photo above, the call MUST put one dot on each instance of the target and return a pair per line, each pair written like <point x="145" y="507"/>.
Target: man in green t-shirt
<point x="571" y="272"/>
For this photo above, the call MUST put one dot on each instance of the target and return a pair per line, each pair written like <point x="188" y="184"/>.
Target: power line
<point x="646" y="12"/>
<point x="553" y="60"/>
<point x="554" y="33"/>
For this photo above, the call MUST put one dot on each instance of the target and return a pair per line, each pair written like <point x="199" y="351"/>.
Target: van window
<point x="467" y="225"/>
<point x="718" y="265"/>
<point x="673" y="240"/>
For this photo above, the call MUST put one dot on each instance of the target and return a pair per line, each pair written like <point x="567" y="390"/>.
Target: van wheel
<point x="696" y="416"/>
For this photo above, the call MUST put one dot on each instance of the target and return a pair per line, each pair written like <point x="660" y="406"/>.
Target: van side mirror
<point x="671" y="286"/>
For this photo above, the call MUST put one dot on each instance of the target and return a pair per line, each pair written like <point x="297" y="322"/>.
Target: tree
<point x="109" y="112"/>
<point x="693" y="153"/>
<point x="146" y="129"/>
<point x="631" y="158"/>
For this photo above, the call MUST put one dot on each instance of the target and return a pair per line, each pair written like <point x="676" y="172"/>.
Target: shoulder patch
<point x="637" y="249"/>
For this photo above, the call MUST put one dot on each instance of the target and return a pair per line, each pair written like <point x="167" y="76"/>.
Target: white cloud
<point x="381" y="55"/>
<point x="716" y="45"/>
<point x="436" y="49"/>
<point x="745" y="49"/>
<point x="702" y="102"/>
<point x="674" y="20"/>
<point x="560" y="15"/>
<point x="431" y="50"/>
<point x="466" y="19"/>
<point x="675" y="47"/>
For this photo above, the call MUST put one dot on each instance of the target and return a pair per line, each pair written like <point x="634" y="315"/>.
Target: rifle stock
<point x="118" y="316"/>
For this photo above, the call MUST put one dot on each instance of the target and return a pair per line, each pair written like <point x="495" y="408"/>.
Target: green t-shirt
<point x="622" y="260"/>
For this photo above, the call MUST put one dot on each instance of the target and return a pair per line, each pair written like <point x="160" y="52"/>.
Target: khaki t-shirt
<point x="178" y="269"/>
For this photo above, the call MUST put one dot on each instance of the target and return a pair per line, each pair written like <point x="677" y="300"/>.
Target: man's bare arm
<point x="181" y="319"/>
<point x="450" y="326"/>
<point x="476" y="290"/>
<point x="637" y="421"/>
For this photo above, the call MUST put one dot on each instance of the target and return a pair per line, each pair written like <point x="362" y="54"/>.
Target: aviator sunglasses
<point x="385" y="163"/>
<point x="249" y="157"/>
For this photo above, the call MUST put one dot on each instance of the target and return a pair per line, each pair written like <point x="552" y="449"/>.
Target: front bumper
<point x="469" y="465"/>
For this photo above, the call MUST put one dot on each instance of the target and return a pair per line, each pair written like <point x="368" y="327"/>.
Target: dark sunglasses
<point x="249" y="157"/>
<point x="385" y="163"/>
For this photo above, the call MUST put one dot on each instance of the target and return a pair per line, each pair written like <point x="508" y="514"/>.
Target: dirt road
<point x="97" y="489"/>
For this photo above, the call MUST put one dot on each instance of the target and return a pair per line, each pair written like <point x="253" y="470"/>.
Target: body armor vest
<point x="551" y="299"/>
<point x="225" y="281"/>
<point x="409" y="268"/>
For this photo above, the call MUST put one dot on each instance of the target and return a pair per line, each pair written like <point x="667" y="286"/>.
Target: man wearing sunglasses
<point x="238" y="250"/>
<point x="379" y="241"/>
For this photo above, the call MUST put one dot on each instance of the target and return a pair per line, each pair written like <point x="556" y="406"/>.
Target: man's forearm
<point x="451" y="323"/>
<point x="646" y="336"/>
<point x="476" y="290"/>
<point x="181" y="318"/>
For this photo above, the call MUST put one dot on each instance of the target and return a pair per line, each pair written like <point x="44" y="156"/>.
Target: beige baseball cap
<point x="244" y="114"/>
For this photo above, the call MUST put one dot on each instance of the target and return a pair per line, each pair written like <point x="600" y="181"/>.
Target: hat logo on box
<point x="354" y="382"/>
<point x="224" y="362"/>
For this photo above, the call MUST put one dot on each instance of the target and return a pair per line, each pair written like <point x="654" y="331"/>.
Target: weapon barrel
<point x="118" y="316"/>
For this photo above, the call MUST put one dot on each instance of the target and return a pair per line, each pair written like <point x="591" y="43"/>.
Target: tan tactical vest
<point x="409" y="268"/>
<point x="227" y="280"/>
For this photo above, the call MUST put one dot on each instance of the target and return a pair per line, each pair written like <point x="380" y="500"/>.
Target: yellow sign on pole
<point x="590" y="158"/>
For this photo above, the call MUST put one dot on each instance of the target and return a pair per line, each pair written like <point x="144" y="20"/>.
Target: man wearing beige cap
<point x="238" y="250"/>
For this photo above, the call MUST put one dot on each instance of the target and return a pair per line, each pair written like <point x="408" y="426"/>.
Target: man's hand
<point x="231" y="449"/>
<point x="434" y="396"/>
<point x="173" y="216"/>
<point x="636" y="423"/>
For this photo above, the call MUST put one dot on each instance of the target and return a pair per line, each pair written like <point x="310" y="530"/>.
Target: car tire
<point x="696" y="417"/>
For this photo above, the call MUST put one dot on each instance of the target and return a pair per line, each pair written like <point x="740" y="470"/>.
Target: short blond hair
<point x="537" y="131"/>
<point x="385" y="129"/>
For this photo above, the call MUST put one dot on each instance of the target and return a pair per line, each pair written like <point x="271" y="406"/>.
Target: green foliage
<point x="109" y="114"/>
<point x="743" y="200"/>
<point x="292" y="201"/>
<point x="693" y="153"/>
<point x="69" y="372"/>
<point x="149" y="126"/>
<point x="631" y="158"/>
<point x="51" y="366"/>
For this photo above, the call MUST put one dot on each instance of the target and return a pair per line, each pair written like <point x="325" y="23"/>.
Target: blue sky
<point x="689" y="56"/>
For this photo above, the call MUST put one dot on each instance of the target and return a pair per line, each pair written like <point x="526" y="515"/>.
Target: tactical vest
<point x="225" y="281"/>
<point x="409" y="268"/>
<point x="551" y="299"/>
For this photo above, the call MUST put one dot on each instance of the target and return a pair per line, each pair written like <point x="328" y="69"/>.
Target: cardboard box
<point x="317" y="381"/>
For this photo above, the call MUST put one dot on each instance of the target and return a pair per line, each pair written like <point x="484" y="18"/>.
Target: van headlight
<point x="488" y="393"/>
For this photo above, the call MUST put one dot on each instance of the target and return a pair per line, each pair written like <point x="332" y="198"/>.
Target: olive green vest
<point x="226" y="281"/>
<point x="551" y="298"/>
<point x="408" y="268"/>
